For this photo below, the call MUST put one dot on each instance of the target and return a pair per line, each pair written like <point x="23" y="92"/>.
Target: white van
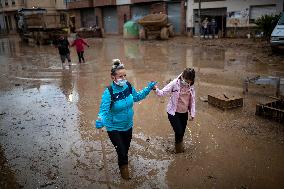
<point x="277" y="36"/>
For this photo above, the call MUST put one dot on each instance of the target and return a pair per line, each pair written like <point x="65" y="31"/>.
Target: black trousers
<point x="178" y="122"/>
<point x="81" y="56"/>
<point x="121" y="141"/>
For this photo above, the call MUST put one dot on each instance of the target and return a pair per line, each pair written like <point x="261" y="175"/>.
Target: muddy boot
<point x="124" y="172"/>
<point x="179" y="147"/>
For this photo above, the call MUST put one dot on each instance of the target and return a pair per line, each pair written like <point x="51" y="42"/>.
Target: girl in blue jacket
<point x="116" y="113"/>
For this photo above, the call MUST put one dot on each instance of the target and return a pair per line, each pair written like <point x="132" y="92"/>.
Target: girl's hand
<point x="155" y="87"/>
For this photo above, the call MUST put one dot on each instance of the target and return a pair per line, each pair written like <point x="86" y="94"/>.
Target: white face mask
<point x="120" y="82"/>
<point x="184" y="82"/>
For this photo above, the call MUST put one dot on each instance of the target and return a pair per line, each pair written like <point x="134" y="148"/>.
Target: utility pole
<point x="199" y="17"/>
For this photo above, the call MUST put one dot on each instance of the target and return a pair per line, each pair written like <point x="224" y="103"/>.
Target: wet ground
<point x="47" y="139"/>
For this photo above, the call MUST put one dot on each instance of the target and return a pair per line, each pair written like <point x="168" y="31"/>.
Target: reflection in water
<point x="67" y="84"/>
<point x="47" y="132"/>
<point x="9" y="47"/>
<point x="207" y="58"/>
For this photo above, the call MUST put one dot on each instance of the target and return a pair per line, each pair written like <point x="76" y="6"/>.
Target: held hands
<point x="152" y="84"/>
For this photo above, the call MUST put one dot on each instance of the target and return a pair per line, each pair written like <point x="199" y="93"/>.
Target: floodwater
<point x="47" y="139"/>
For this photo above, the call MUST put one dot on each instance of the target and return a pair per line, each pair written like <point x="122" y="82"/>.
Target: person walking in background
<point x="63" y="48"/>
<point x="79" y="43"/>
<point x="116" y="112"/>
<point x="181" y="102"/>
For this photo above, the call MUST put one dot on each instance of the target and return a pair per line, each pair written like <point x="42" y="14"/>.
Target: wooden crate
<point x="225" y="102"/>
<point x="272" y="110"/>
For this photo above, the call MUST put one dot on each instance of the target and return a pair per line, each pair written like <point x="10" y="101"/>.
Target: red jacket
<point x="79" y="43"/>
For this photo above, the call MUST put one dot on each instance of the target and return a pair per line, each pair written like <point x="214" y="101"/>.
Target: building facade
<point x="9" y="8"/>
<point x="112" y="14"/>
<point x="233" y="17"/>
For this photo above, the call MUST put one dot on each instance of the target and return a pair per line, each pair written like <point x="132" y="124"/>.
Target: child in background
<point x="79" y="43"/>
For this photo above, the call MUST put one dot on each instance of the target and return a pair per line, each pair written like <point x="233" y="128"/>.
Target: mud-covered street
<point x="47" y="139"/>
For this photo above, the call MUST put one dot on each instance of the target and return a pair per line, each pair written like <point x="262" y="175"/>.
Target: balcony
<point x="98" y="3"/>
<point x="78" y="4"/>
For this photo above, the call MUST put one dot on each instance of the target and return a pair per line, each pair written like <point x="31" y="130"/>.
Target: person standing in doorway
<point x="214" y="27"/>
<point x="63" y="48"/>
<point x="205" y="27"/>
<point x="116" y="113"/>
<point x="79" y="43"/>
<point x="182" y="102"/>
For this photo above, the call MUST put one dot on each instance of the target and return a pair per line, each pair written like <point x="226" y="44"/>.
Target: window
<point x="261" y="10"/>
<point x="13" y="2"/>
<point x="6" y="2"/>
<point x="281" y="20"/>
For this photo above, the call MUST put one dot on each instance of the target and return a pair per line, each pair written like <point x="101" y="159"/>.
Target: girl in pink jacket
<point x="181" y="102"/>
<point x="79" y="43"/>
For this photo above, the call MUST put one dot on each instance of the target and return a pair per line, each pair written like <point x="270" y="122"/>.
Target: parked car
<point x="277" y="36"/>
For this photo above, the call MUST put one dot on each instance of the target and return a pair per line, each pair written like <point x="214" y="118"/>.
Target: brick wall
<point x="99" y="17"/>
<point x="80" y="4"/>
<point x="77" y="16"/>
<point x="78" y="23"/>
<point x="123" y="13"/>
<point x="98" y="3"/>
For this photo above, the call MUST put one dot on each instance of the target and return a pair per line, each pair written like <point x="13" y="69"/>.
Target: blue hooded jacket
<point x="118" y="115"/>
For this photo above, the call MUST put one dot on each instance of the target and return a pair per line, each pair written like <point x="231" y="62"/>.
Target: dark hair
<point x="117" y="65"/>
<point x="189" y="74"/>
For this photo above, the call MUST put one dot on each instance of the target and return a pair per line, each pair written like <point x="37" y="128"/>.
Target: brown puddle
<point x="46" y="115"/>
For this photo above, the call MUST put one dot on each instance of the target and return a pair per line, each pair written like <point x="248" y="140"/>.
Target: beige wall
<point x="231" y="5"/>
<point x="47" y="4"/>
<point x="60" y="5"/>
<point x="12" y="7"/>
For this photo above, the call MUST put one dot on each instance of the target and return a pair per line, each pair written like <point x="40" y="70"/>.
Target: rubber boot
<point x="124" y="172"/>
<point x="179" y="147"/>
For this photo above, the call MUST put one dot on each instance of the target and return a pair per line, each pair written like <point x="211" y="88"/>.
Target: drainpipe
<point x="199" y="17"/>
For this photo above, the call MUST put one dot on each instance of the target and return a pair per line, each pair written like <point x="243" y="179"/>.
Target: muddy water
<point x="48" y="141"/>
